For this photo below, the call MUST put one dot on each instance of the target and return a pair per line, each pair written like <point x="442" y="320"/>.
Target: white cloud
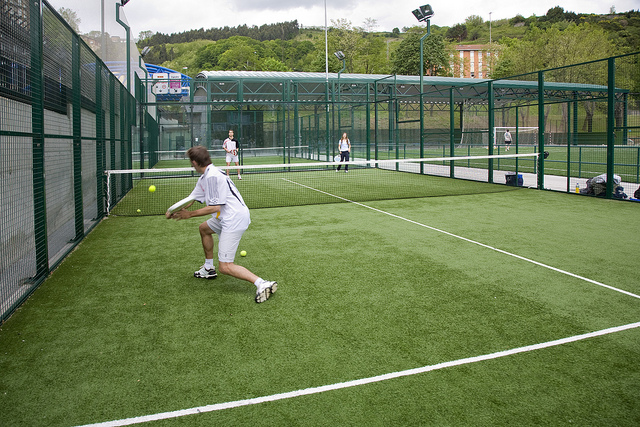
<point x="183" y="15"/>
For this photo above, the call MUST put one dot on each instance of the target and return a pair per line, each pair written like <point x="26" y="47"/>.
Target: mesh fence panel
<point x="58" y="103"/>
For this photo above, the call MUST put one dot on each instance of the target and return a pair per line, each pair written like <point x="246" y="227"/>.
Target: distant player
<point x="344" y="146"/>
<point x="229" y="220"/>
<point x="507" y="140"/>
<point x="230" y="145"/>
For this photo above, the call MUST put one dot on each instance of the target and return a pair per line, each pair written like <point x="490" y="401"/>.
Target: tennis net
<point x="293" y="184"/>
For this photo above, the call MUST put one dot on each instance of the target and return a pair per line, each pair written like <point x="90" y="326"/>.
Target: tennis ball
<point x="152" y="188"/>
<point x="243" y="253"/>
<point x="138" y="211"/>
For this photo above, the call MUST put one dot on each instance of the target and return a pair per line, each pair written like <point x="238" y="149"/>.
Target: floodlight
<point x="339" y="55"/>
<point x="423" y="13"/>
<point x="123" y="2"/>
<point x="145" y="50"/>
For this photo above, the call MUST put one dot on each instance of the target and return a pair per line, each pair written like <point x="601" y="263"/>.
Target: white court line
<point x="362" y="381"/>
<point x="586" y="279"/>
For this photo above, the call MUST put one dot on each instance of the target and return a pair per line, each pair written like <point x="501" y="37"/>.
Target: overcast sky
<point x="173" y="16"/>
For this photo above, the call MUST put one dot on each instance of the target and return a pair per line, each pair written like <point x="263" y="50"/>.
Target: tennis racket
<point x="184" y="203"/>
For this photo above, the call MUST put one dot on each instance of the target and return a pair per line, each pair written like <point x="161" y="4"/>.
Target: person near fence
<point x="344" y="146"/>
<point x="229" y="220"/>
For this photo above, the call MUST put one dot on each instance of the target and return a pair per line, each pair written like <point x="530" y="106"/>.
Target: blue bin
<point x="513" y="179"/>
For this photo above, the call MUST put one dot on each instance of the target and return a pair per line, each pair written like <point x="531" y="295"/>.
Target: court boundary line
<point x="359" y="382"/>
<point x="502" y="251"/>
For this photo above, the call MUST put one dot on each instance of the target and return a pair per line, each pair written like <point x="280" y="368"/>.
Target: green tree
<point x="475" y="27"/>
<point x="406" y="59"/>
<point x="458" y="32"/>
<point x="345" y="38"/>
<point x="371" y="56"/>
<point x="144" y="35"/>
<point x="560" y="45"/>
<point x="71" y="17"/>
<point x="234" y="53"/>
<point x="273" y="64"/>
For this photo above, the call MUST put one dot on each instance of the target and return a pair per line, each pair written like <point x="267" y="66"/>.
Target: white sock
<point x="258" y="282"/>
<point x="208" y="264"/>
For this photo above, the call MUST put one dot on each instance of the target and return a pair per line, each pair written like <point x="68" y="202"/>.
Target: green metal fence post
<point x="491" y="118"/>
<point x="569" y="147"/>
<point x="611" y="81"/>
<point x="452" y="118"/>
<point x="296" y="123"/>
<point x="368" y="118"/>
<point x="540" y="130"/>
<point x="517" y="141"/>
<point x="37" y="128"/>
<point x="112" y="123"/>
<point x="574" y="141"/>
<point x="100" y="166"/>
<point x="327" y="136"/>
<point x="77" y="141"/>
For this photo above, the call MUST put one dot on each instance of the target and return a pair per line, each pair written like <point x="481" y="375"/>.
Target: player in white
<point x="230" y="145"/>
<point x="507" y="140"/>
<point x="229" y="220"/>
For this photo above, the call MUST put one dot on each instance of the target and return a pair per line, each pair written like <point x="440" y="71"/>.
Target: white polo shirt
<point x="230" y="144"/>
<point x="215" y="188"/>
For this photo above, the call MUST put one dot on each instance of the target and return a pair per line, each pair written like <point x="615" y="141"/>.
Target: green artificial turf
<point x="123" y="329"/>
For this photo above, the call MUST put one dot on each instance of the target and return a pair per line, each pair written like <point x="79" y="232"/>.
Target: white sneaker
<point x="239" y="177"/>
<point x="265" y="290"/>
<point x="204" y="273"/>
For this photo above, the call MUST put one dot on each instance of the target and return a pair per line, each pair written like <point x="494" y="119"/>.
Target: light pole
<point x="490" y="27"/>
<point x="423" y="13"/>
<point x="128" y="48"/>
<point x="340" y="57"/>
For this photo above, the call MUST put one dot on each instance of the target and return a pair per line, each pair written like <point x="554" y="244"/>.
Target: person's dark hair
<point x="200" y="155"/>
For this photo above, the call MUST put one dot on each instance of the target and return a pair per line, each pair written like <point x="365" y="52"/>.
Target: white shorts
<point x="232" y="159"/>
<point x="228" y="241"/>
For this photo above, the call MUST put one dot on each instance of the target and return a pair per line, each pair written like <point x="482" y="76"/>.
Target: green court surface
<point x="502" y="308"/>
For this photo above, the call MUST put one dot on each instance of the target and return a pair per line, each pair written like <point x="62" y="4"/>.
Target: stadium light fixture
<point x="123" y="2"/>
<point x="423" y="13"/>
<point x="339" y="55"/>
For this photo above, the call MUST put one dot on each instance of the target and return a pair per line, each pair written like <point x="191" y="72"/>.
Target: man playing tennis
<point x="230" y="145"/>
<point x="229" y="220"/>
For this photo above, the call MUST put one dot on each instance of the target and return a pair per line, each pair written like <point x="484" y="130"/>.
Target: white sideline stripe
<point x="363" y="381"/>
<point x="586" y="279"/>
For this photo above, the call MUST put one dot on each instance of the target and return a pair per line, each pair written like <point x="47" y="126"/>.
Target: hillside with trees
<point x="522" y="45"/>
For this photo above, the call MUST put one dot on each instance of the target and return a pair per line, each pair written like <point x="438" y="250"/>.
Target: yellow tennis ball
<point x="152" y="188"/>
<point x="138" y="211"/>
<point x="243" y="253"/>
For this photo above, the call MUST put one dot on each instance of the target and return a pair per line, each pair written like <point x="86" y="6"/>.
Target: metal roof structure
<point x="268" y="86"/>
